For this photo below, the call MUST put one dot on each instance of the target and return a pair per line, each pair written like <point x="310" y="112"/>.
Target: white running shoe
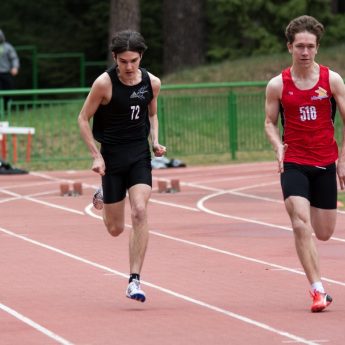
<point x="97" y="199"/>
<point x="134" y="291"/>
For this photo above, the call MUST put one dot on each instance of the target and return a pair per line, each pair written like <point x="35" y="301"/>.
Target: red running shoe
<point x="320" y="301"/>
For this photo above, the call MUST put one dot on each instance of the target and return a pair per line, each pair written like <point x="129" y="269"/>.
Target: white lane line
<point x="234" y="178"/>
<point x="89" y="211"/>
<point x="234" y="191"/>
<point x="174" y="205"/>
<point x="35" y="325"/>
<point x="256" y="197"/>
<point x="168" y="291"/>
<point x="20" y="197"/>
<point x="58" y="179"/>
<point x="323" y="341"/>
<point x="49" y="204"/>
<point x="242" y="257"/>
<point x="202" y="207"/>
<point x="27" y="184"/>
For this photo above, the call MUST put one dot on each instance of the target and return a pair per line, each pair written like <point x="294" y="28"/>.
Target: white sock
<point x="318" y="287"/>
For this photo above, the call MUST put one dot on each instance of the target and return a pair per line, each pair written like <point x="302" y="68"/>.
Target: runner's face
<point x="303" y="49"/>
<point x="128" y="63"/>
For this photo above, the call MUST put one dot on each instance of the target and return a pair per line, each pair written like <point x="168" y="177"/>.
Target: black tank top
<point x="125" y="118"/>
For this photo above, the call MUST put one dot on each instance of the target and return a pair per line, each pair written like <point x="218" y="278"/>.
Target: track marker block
<point x="77" y="188"/>
<point x="162" y="186"/>
<point x="64" y="189"/>
<point x="175" y="186"/>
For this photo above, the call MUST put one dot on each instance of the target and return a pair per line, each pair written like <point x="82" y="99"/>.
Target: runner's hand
<point x="159" y="150"/>
<point x="341" y="173"/>
<point x="98" y="166"/>
<point x="280" y="153"/>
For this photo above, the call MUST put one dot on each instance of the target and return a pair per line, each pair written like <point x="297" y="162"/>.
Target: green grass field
<point x="259" y="68"/>
<point x="56" y="133"/>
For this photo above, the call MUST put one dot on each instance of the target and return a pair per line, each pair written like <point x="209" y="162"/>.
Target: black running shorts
<point x="125" y="168"/>
<point x="318" y="184"/>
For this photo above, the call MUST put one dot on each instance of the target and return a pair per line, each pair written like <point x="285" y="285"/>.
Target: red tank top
<point x="307" y="119"/>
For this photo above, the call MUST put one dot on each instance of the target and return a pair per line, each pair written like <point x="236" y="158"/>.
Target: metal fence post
<point x="34" y="70"/>
<point x="2" y="108"/>
<point x="82" y="70"/>
<point x="232" y="117"/>
<point x="33" y="50"/>
<point x="161" y="117"/>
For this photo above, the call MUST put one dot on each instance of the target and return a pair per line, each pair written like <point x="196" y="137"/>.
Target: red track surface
<point x="221" y="266"/>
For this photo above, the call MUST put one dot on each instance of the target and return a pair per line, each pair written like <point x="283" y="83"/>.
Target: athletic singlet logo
<point x="140" y="93"/>
<point x="322" y="93"/>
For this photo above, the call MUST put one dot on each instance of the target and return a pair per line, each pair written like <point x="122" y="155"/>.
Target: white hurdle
<point x="5" y="130"/>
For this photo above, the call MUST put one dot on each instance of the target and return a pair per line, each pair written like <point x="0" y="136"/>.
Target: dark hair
<point x="301" y="24"/>
<point x="128" y="40"/>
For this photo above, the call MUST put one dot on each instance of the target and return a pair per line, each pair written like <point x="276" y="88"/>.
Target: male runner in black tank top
<point x="123" y="104"/>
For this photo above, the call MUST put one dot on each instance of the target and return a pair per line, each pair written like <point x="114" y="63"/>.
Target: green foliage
<point x="55" y="27"/>
<point x="234" y="28"/>
<point x="255" y="68"/>
<point x="151" y="28"/>
<point x="59" y="26"/>
<point x="248" y="28"/>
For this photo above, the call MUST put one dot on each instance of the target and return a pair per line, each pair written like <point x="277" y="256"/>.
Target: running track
<point x="220" y="268"/>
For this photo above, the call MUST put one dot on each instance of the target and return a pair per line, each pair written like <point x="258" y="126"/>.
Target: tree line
<point x="180" y="34"/>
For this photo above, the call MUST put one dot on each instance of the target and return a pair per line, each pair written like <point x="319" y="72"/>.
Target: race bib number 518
<point x="307" y="113"/>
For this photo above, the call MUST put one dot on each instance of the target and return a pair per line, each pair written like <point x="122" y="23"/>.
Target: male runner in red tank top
<point x="306" y="95"/>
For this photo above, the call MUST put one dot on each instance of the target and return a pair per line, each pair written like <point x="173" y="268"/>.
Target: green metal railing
<point x="212" y="118"/>
<point x="58" y="56"/>
<point x="34" y="72"/>
<point x="198" y="119"/>
<point x="30" y="52"/>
